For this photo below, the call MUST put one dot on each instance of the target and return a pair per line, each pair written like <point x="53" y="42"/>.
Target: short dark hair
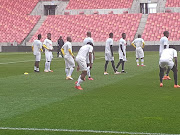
<point x="139" y="35"/>
<point x="166" y="32"/>
<point x="111" y="34"/>
<point x="123" y="34"/>
<point x="39" y="36"/>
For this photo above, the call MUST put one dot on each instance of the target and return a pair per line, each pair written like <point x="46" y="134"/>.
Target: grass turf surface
<point x="131" y="102"/>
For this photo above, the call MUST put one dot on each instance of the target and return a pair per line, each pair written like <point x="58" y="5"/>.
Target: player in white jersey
<point x="139" y="43"/>
<point x="109" y="54"/>
<point x="84" y="52"/>
<point x="68" y="58"/>
<point x="87" y="40"/>
<point x="37" y="49"/>
<point x="166" y="59"/>
<point x="122" y="52"/>
<point x="164" y="44"/>
<point x="48" y="52"/>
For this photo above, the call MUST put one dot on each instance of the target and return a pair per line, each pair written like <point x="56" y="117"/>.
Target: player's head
<point x="90" y="43"/>
<point x="88" y="34"/>
<point x="111" y="35"/>
<point x="139" y="35"/>
<point x="124" y="35"/>
<point x="49" y="36"/>
<point x="69" y="39"/>
<point x="166" y="33"/>
<point x="172" y="46"/>
<point x="39" y="36"/>
<point x="60" y="37"/>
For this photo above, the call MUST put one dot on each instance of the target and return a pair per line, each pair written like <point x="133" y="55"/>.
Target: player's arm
<point x="71" y="53"/>
<point x="111" y="50"/>
<point x="143" y="44"/>
<point x="133" y="44"/>
<point x="45" y="47"/>
<point x="62" y="50"/>
<point x="122" y="49"/>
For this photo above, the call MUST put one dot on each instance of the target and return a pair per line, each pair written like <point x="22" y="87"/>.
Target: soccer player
<point x="164" y="44"/>
<point x="90" y="40"/>
<point x="166" y="59"/>
<point x="109" y="54"/>
<point x="48" y="52"/>
<point x="84" y="52"/>
<point x="60" y="44"/>
<point x="37" y="49"/>
<point x="69" y="58"/>
<point x="122" y="52"/>
<point x="139" y="43"/>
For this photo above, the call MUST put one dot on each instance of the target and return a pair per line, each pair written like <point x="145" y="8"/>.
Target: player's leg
<point x="161" y="74"/>
<point x="46" y="63"/>
<point x="119" y="63"/>
<point x="166" y="77"/>
<point x="38" y="58"/>
<point x="123" y="63"/>
<point x="71" y="65"/>
<point x="58" y="51"/>
<point x="137" y="57"/>
<point x="49" y="62"/>
<point x="142" y="61"/>
<point x="106" y="64"/>
<point x="88" y="68"/>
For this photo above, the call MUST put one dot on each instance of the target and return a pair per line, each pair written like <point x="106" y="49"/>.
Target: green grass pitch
<point x="131" y="102"/>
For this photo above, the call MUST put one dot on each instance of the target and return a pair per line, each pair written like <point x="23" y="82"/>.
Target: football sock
<point x="49" y="63"/>
<point x="79" y="81"/>
<point x="123" y="66"/>
<point x="35" y="68"/>
<point x="113" y="66"/>
<point x="88" y="72"/>
<point x="168" y="70"/>
<point x="161" y="74"/>
<point x="105" y="67"/>
<point x="137" y="61"/>
<point x="175" y="75"/>
<point x="142" y="61"/>
<point x="46" y="66"/>
<point x="71" y="71"/>
<point x="66" y="71"/>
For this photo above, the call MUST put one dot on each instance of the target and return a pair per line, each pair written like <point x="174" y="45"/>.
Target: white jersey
<point x="109" y="42"/>
<point x="84" y="51"/>
<point x="37" y="45"/>
<point x="138" y="42"/>
<point x="66" y="48"/>
<point x="168" y="54"/>
<point x="88" y="39"/>
<point x="48" y="44"/>
<point x="123" y="43"/>
<point x="163" y="42"/>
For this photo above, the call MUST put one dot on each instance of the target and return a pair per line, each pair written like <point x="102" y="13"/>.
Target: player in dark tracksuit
<point x="60" y="44"/>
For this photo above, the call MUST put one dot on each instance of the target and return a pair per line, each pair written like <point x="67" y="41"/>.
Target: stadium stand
<point x="172" y="3"/>
<point x="15" y="24"/>
<point x="76" y="26"/>
<point x="160" y="22"/>
<point x="99" y="4"/>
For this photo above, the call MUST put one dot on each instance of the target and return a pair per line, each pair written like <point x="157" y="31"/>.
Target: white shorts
<point x="38" y="57"/>
<point x="48" y="56"/>
<point x="87" y="59"/>
<point x="108" y="57"/>
<point x="139" y="53"/>
<point x="122" y="57"/>
<point x="69" y="61"/>
<point x="82" y="63"/>
<point x="164" y="63"/>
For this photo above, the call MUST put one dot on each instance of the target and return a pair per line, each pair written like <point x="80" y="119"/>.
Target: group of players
<point x="86" y="56"/>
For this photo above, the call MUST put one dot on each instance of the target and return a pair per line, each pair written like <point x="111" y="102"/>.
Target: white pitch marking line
<point x="82" y="131"/>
